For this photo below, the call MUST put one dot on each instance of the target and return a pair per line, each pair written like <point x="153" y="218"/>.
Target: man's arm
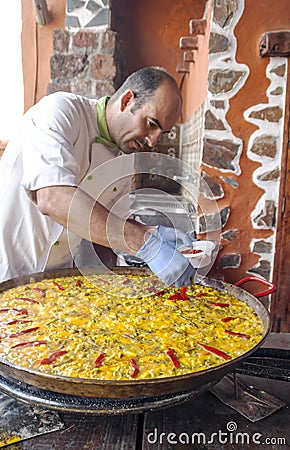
<point x="82" y="215"/>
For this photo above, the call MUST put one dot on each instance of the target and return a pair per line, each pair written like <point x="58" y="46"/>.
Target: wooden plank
<point x="275" y="43"/>
<point x="280" y="300"/>
<point x="205" y="423"/>
<point x="89" y="432"/>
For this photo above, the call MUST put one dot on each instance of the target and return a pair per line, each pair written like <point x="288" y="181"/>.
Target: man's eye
<point x="152" y="124"/>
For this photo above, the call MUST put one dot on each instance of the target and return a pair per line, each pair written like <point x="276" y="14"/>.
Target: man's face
<point x="140" y="129"/>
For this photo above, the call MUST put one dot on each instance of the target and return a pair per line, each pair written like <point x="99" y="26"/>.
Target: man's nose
<point x="153" y="137"/>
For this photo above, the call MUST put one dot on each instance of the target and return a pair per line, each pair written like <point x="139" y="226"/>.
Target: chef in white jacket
<point x="46" y="171"/>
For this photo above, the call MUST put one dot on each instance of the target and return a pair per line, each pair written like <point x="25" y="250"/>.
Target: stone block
<point x="103" y="67"/>
<point x="57" y="87"/>
<point x="223" y="80"/>
<point x="270" y="113"/>
<point x="267" y="216"/>
<point x="271" y="175"/>
<point x="230" y="260"/>
<point x="224" y="11"/>
<point x="60" y="40"/>
<point x="263" y="269"/>
<point x="218" y="43"/>
<point x="220" y="154"/>
<point x="230" y="235"/>
<point x="262" y="247"/>
<point x="109" y="42"/>
<point x="265" y="145"/>
<point x="212" y="122"/>
<point x="210" y="187"/>
<point x="67" y="66"/>
<point x="103" y="88"/>
<point x="84" y="39"/>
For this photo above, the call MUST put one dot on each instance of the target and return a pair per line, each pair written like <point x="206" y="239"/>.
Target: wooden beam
<point x="275" y="43"/>
<point x="42" y="15"/>
<point x="280" y="300"/>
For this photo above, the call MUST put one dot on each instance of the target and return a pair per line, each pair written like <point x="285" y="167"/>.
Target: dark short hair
<point x="144" y="83"/>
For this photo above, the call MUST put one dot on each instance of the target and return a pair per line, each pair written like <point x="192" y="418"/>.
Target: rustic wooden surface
<point x="160" y="429"/>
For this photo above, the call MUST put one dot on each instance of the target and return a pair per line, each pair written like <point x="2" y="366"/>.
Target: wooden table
<point x="162" y="428"/>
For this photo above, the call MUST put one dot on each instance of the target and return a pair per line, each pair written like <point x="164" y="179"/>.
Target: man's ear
<point x="127" y="99"/>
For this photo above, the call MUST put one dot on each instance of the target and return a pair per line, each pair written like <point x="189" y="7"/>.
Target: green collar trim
<point x="104" y="137"/>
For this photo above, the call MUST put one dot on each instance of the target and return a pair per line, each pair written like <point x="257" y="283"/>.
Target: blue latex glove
<point x="166" y="262"/>
<point x="173" y="236"/>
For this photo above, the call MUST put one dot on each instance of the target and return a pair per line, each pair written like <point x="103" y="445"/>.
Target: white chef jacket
<point x="55" y="146"/>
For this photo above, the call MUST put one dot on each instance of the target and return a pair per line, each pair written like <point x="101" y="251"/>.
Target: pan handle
<point x="272" y="287"/>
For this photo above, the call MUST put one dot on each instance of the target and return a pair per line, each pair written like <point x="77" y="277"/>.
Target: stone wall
<point x="86" y="61"/>
<point x="223" y="149"/>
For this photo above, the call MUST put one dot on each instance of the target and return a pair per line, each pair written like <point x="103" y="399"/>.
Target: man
<point x="41" y="172"/>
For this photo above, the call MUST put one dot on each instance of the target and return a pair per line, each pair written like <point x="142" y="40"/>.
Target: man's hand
<point x="165" y="261"/>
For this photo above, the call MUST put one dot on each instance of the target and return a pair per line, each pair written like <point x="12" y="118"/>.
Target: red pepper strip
<point x="19" y="333"/>
<point x="183" y="293"/>
<point x="192" y="251"/>
<point x="14" y="310"/>
<point x="153" y="289"/>
<point x="29" y="344"/>
<point x="215" y="351"/>
<point x="26" y="299"/>
<point x="53" y="357"/>
<point x="103" y="281"/>
<point x="41" y="291"/>
<point x="171" y="353"/>
<point x="79" y="283"/>
<point x="221" y="305"/>
<point x="135" y="368"/>
<point x="179" y="295"/>
<point x="228" y="319"/>
<point x="241" y="335"/>
<point x="12" y="322"/>
<point x="99" y="360"/>
<point x="126" y="281"/>
<point x="176" y="296"/>
<point x="59" y="286"/>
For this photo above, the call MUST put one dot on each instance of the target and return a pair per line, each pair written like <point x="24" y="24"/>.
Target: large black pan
<point x="132" y="388"/>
